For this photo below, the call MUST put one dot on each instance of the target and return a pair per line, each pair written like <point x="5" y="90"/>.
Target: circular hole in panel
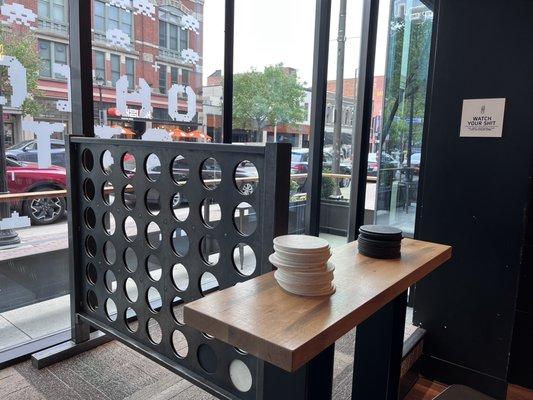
<point x="152" y="167"/>
<point x="180" y="170"/>
<point x="88" y="189"/>
<point x="107" y="162"/>
<point x="177" y="309"/>
<point x="180" y="206"/>
<point x="110" y="253"/>
<point x="87" y="160"/>
<point x="111" y="310"/>
<point x="130" y="287"/>
<point x="130" y="259"/>
<point x="90" y="246"/>
<point x="153" y="267"/>
<point x="240" y="375"/>
<point x="110" y="281"/>
<point x="153" y="235"/>
<point x="152" y="201"/>
<point x="207" y="358"/>
<point x="109" y="223"/>
<point x="180" y="277"/>
<point x="130" y="229"/>
<point x="92" y="300"/>
<point x="179" y="343"/>
<point x="90" y="218"/>
<point x="240" y="351"/>
<point x="131" y="319"/>
<point x="210" y="249"/>
<point x="208" y="283"/>
<point x="180" y="242"/>
<point x="245" y="219"/>
<point x="154" y="331"/>
<point x="211" y="173"/>
<point x="153" y="298"/>
<point x="208" y="336"/>
<point x="128" y="165"/>
<point x="108" y="193"/>
<point x="128" y="197"/>
<point x="246" y="177"/>
<point x="244" y="259"/>
<point x="210" y="212"/>
<point x="92" y="273"/>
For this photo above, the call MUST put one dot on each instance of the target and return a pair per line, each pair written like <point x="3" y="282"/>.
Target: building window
<point x="55" y="10"/>
<point x="162" y="79"/>
<point x="185" y="77"/>
<point x="174" y="72"/>
<point x="130" y="72"/>
<point x="99" y="64"/>
<point x="50" y="53"/>
<point x="112" y="17"/>
<point x="171" y="36"/>
<point x="115" y="68"/>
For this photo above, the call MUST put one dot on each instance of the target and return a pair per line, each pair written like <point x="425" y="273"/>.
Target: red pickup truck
<point x="25" y="177"/>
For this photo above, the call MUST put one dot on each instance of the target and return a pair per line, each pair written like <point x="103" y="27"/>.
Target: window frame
<point x="106" y="7"/>
<point x="50" y="5"/>
<point x="165" y="20"/>
<point x="113" y="71"/>
<point x="52" y="58"/>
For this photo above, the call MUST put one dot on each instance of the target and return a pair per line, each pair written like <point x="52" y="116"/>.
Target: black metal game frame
<point x="106" y="303"/>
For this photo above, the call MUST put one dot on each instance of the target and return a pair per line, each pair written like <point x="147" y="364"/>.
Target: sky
<point x="269" y="32"/>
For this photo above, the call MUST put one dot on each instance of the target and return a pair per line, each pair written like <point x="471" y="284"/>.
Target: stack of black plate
<point x="380" y="241"/>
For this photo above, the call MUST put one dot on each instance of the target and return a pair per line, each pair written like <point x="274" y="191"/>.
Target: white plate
<point x="327" y="290"/>
<point x="302" y="243"/>
<point x="299" y="256"/>
<point x="308" y="284"/>
<point x="280" y="263"/>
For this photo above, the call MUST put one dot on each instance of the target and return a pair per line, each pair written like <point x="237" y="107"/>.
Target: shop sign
<point x="482" y="118"/>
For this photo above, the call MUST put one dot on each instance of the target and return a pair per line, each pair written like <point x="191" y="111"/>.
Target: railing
<point x="53" y="26"/>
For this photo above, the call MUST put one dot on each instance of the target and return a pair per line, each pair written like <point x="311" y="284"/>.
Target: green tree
<point x="267" y="98"/>
<point x="24" y="48"/>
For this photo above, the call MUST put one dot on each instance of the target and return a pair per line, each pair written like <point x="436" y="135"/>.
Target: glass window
<point x="50" y="53"/>
<point x="115" y="68"/>
<point x="55" y="10"/>
<point x="174" y="75"/>
<point x="130" y="72"/>
<point x="162" y="79"/>
<point x="99" y="64"/>
<point x="171" y="34"/>
<point x="108" y="16"/>
<point x="184" y="76"/>
<point x="400" y="139"/>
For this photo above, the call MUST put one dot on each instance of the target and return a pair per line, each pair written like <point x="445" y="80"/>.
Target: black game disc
<point x="380" y="232"/>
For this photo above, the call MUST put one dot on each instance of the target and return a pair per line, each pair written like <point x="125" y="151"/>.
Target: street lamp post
<point x="100" y="81"/>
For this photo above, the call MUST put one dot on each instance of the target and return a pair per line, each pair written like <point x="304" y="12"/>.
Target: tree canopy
<point x="24" y="48"/>
<point x="271" y="97"/>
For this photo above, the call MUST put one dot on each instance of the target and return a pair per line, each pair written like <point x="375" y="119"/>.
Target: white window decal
<point x="173" y="93"/>
<point x="157" y="135"/>
<point x="118" y="38"/>
<point x="119" y="3"/>
<point x="144" y="7"/>
<point x="64" y="70"/>
<point x="190" y="23"/>
<point x="14" y="222"/>
<point x="18" y="14"/>
<point x="141" y="95"/>
<point x="190" y="56"/>
<point x="43" y="131"/>
<point x="17" y="79"/>
<point x="106" y="132"/>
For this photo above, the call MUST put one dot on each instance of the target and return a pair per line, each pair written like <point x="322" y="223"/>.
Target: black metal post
<point x="227" y="112"/>
<point x="378" y="353"/>
<point x="318" y="113"/>
<point x="7" y="236"/>
<point x="313" y="381"/>
<point x="363" y="121"/>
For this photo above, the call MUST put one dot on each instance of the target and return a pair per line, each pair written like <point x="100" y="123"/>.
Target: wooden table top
<point x="287" y="330"/>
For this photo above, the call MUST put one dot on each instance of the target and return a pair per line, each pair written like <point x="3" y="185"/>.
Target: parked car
<point x="25" y="177"/>
<point x="415" y="161"/>
<point x="386" y="161"/>
<point x="27" y="151"/>
<point x="300" y="162"/>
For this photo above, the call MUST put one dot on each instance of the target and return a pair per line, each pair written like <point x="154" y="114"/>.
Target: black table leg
<point x="313" y="381"/>
<point x="378" y="353"/>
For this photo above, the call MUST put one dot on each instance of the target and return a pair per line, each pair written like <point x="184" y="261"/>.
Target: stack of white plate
<point x="303" y="266"/>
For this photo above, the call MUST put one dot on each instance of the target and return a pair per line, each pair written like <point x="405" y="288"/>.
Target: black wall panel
<point x="475" y="190"/>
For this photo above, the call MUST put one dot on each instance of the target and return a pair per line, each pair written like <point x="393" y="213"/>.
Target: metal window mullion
<point x="318" y="112"/>
<point x="229" y="31"/>
<point x="361" y="136"/>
